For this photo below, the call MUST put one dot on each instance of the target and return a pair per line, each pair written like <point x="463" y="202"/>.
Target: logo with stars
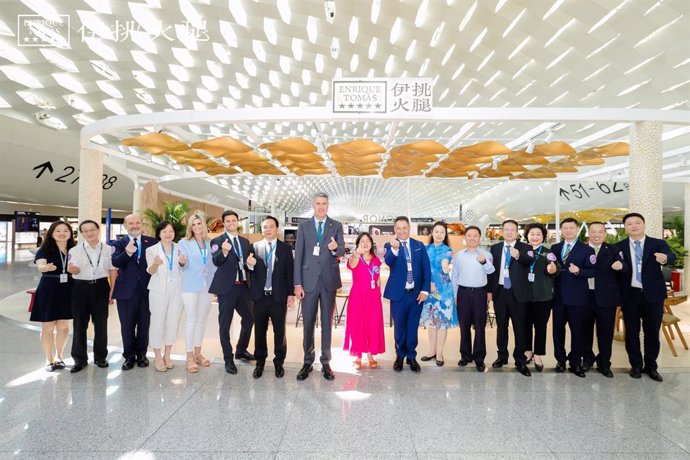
<point x="34" y="30"/>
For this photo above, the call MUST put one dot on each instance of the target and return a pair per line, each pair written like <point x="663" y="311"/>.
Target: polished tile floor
<point x="440" y="413"/>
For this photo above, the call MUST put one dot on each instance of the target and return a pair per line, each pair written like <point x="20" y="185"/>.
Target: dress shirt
<point x="596" y="253"/>
<point x="236" y="243"/>
<point x="265" y="252"/>
<point x="503" y="260"/>
<point x="468" y="272"/>
<point x="79" y="257"/>
<point x="633" y="280"/>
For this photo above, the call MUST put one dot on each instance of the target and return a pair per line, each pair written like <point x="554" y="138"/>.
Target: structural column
<point x="646" y="191"/>
<point x="686" y="243"/>
<point x="90" y="185"/>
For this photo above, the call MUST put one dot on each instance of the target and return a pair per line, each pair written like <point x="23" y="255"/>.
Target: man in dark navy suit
<point x="509" y="289"/>
<point x="643" y="291"/>
<point x="131" y="291"/>
<point x="407" y="288"/>
<point x="571" y="296"/>
<point x="604" y="297"/>
<point x="231" y="253"/>
<point x="272" y="292"/>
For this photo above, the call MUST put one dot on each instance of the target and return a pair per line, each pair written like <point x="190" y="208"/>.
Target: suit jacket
<point x="130" y="272"/>
<point x="606" y="279"/>
<point x="573" y="289"/>
<point x="283" y="269"/>
<point x="308" y="267"/>
<point x="228" y="266"/>
<point x="160" y="281"/>
<point x="421" y="270"/>
<point x="518" y="271"/>
<point x="653" y="285"/>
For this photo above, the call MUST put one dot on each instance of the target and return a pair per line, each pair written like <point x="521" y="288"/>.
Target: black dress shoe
<point x="480" y="367"/>
<point x="280" y="371"/>
<point x="524" y="370"/>
<point x="586" y="367"/>
<point x="440" y="363"/>
<point x="635" y="373"/>
<point x="577" y="371"/>
<point x="414" y="365"/>
<point x="128" y="365"/>
<point x="654" y="375"/>
<point x="143" y="362"/>
<point x="230" y="367"/>
<point x="59" y="365"/>
<point x="77" y="367"/>
<point x="244" y="356"/>
<point x="398" y="364"/>
<point x="304" y="372"/>
<point x="258" y="371"/>
<point x="50" y="367"/>
<point x="327" y="372"/>
<point x="499" y="363"/>
<point x="560" y="367"/>
<point x="463" y="362"/>
<point x="102" y="364"/>
<point x="605" y="372"/>
<point x="427" y="358"/>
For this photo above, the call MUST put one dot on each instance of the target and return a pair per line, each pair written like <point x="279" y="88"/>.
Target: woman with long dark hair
<point x="439" y="313"/>
<point x="364" y="320"/>
<point x="52" y="302"/>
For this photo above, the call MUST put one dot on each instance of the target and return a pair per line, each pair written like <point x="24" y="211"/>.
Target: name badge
<point x="530" y="277"/>
<point x="63" y="277"/>
<point x="409" y="265"/>
<point x="317" y="251"/>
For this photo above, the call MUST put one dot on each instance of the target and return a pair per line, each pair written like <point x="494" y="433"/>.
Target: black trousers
<point x="538" y="314"/>
<point x="135" y="320"/>
<point x="471" y="304"/>
<point x="90" y="302"/>
<point x="267" y="309"/>
<point x="638" y="309"/>
<point x="604" y="318"/>
<point x="237" y="299"/>
<point x="507" y="309"/>
<point x="575" y="317"/>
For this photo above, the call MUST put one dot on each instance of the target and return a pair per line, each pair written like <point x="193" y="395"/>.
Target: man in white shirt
<point x="94" y="279"/>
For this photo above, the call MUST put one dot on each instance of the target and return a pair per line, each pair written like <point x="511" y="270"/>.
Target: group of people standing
<point x="154" y="280"/>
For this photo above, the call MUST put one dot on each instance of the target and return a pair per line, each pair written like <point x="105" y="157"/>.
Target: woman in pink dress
<point x="364" y="320"/>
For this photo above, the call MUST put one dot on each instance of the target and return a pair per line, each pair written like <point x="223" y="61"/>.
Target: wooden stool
<point x="343" y="294"/>
<point x="669" y="320"/>
<point x="619" y="328"/>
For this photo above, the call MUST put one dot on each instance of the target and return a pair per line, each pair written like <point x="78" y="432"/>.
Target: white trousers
<point x="165" y="317"/>
<point x="196" y="308"/>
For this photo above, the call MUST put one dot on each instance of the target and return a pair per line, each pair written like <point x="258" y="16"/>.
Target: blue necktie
<point x="638" y="261"/>
<point x="409" y="279"/>
<point x="269" y="273"/>
<point x="506" y="280"/>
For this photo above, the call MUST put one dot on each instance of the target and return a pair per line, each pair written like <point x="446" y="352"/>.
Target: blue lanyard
<point x="565" y="246"/>
<point x="371" y="271"/>
<point x="269" y="255"/>
<point x="98" y="262"/>
<point x="531" y="267"/>
<point x="172" y="255"/>
<point x="204" y="253"/>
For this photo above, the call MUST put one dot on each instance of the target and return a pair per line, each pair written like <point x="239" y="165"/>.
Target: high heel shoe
<point x="358" y="363"/>
<point x="373" y="364"/>
<point x="427" y="358"/>
<point x="538" y="367"/>
<point x="529" y="360"/>
<point x="202" y="360"/>
<point x="192" y="366"/>
<point x="160" y="365"/>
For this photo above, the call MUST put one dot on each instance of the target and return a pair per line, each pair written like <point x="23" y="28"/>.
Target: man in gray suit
<point x="317" y="277"/>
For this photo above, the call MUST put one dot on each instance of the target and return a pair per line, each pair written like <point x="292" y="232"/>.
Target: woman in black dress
<point x="52" y="305"/>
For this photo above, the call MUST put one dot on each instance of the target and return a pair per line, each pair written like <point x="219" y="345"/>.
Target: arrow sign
<point x="42" y="168"/>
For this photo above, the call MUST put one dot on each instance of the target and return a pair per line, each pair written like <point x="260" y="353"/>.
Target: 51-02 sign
<point x="580" y="191"/>
<point x="66" y="176"/>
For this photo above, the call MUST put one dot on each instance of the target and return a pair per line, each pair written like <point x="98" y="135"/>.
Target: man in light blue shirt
<point x="470" y="267"/>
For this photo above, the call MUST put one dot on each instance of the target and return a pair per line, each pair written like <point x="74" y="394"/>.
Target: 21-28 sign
<point x="108" y="181"/>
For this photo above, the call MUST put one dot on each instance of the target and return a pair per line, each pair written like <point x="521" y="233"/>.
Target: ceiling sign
<point x="398" y="96"/>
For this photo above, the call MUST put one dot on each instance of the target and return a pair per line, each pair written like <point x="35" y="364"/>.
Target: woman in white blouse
<point x="198" y="274"/>
<point x="165" y="262"/>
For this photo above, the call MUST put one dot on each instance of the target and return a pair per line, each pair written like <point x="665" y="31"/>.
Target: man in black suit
<point x="604" y="297"/>
<point x="510" y="289"/>
<point x="131" y="291"/>
<point x="272" y="292"/>
<point x="571" y="296"/>
<point x="643" y="291"/>
<point x="231" y="253"/>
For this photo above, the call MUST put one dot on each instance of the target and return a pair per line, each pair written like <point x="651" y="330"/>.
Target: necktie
<point x="568" y="247"/>
<point x="506" y="278"/>
<point x="409" y="279"/>
<point x="319" y="233"/>
<point x="269" y="272"/>
<point x="638" y="261"/>
<point x="235" y="244"/>
<point x="136" y="245"/>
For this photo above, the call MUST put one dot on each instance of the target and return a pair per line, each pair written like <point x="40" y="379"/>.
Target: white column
<point x="90" y="185"/>
<point x="646" y="192"/>
<point x="137" y="198"/>
<point x="686" y="243"/>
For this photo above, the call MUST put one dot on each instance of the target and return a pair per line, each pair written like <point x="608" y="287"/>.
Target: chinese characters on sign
<point x="383" y="95"/>
<point x="123" y="31"/>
